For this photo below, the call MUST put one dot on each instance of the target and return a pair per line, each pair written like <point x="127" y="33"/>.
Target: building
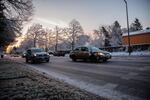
<point x="139" y="41"/>
<point x="137" y="38"/>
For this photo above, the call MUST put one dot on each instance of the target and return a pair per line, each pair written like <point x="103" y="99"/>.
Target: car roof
<point x="86" y="46"/>
<point x="34" y="48"/>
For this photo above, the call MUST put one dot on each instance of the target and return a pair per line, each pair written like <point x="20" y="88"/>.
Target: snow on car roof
<point x="137" y="32"/>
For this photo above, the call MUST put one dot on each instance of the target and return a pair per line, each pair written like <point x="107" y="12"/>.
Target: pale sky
<point x="90" y="13"/>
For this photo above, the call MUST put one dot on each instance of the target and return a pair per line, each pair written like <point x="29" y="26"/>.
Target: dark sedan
<point x="36" y="55"/>
<point x="90" y="53"/>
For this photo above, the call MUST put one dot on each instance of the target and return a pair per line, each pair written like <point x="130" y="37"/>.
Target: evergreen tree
<point x="106" y="36"/>
<point x="136" y="25"/>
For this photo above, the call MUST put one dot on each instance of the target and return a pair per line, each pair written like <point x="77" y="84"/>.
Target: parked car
<point x="50" y="52"/>
<point x="36" y="55"/>
<point x="59" y="53"/>
<point x="23" y="54"/>
<point x="89" y="53"/>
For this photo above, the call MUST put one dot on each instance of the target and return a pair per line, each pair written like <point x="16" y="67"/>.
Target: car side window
<point x="84" y="49"/>
<point x="29" y="52"/>
<point x="77" y="49"/>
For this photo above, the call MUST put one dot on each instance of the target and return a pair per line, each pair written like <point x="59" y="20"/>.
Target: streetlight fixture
<point x="129" y="47"/>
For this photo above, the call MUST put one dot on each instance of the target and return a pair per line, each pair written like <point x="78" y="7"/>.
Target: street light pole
<point x="129" y="47"/>
<point x="56" y="39"/>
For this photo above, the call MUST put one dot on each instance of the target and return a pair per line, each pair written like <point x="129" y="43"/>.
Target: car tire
<point x="104" y="60"/>
<point x="47" y="60"/>
<point x="33" y="61"/>
<point x="97" y="59"/>
<point x="74" y="59"/>
<point x="27" y="61"/>
<point x="85" y="60"/>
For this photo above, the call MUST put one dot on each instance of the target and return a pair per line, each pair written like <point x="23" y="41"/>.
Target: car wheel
<point x="47" y="60"/>
<point x="85" y="60"/>
<point x="33" y="61"/>
<point x="97" y="58"/>
<point x="27" y="60"/>
<point x="104" y="60"/>
<point x="73" y="59"/>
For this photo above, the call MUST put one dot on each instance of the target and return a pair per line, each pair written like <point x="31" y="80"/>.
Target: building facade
<point x="137" y="38"/>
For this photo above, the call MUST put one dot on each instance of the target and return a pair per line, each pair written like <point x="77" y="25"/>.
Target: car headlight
<point x="34" y="54"/>
<point x="101" y="54"/>
<point x="48" y="54"/>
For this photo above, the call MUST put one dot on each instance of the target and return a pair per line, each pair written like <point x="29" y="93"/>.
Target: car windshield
<point x="94" y="49"/>
<point x="37" y="50"/>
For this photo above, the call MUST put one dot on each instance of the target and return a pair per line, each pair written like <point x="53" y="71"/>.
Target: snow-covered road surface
<point x="120" y="78"/>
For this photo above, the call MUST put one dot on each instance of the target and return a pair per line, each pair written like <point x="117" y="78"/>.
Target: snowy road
<point x="119" y="78"/>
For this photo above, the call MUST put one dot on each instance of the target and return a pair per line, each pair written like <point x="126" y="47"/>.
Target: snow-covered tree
<point x="116" y="34"/>
<point x="82" y="40"/>
<point x="136" y="25"/>
<point x="102" y="36"/>
<point x="98" y="38"/>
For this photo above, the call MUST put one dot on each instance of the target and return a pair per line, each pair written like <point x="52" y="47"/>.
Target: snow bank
<point x="136" y="53"/>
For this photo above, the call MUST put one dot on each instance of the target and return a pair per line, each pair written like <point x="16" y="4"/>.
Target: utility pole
<point x="73" y="37"/>
<point x="129" y="47"/>
<point x="56" y="38"/>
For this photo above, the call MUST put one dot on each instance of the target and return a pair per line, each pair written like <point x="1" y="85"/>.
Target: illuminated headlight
<point x="48" y="54"/>
<point x="102" y="54"/>
<point x="35" y="54"/>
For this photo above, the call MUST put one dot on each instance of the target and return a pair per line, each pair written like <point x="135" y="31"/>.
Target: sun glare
<point x="17" y="43"/>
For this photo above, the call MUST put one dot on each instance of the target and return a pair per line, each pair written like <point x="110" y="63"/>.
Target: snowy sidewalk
<point x="138" y="53"/>
<point x="19" y="82"/>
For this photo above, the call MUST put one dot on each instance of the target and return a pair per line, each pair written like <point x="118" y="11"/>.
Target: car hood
<point x="40" y="53"/>
<point x="101" y="51"/>
<point x="105" y="52"/>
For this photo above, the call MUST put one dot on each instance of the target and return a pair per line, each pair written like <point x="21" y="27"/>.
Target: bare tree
<point x="75" y="29"/>
<point x="34" y="32"/>
<point x="49" y="37"/>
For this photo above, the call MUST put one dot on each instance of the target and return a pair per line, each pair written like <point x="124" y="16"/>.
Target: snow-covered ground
<point x="135" y="53"/>
<point x="104" y="91"/>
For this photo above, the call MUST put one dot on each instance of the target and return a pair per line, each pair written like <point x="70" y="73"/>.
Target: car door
<point x="84" y="52"/>
<point x="77" y="53"/>
<point x="28" y="54"/>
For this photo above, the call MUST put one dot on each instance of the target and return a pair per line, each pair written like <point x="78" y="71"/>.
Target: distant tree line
<point x="73" y="36"/>
<point x="15" y="13"/>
